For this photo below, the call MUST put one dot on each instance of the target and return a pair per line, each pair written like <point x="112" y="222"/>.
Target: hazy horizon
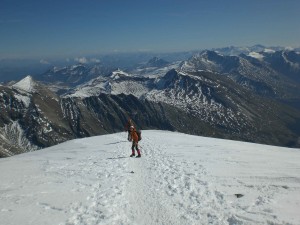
<point x="50" y="29"/>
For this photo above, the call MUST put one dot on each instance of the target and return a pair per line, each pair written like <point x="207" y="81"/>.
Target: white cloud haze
<point x="85" y="60"/>
<point x="43" y="61"/>
<point x="82" y="60"/>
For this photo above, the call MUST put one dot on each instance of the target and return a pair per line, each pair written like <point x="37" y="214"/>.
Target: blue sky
<point x="75" y="28"/>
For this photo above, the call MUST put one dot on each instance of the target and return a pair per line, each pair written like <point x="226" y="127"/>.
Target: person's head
<point x="131" y="128"/>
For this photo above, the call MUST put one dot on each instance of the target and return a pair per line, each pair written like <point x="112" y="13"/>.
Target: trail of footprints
<point x="191" y="188"/>
<point x="186" y="185"/>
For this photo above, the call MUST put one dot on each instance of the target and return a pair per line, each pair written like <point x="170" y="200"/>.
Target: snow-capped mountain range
<point x="251" y="97"/>
<point x="235" y="51"/>
<point x="30" y="118"/>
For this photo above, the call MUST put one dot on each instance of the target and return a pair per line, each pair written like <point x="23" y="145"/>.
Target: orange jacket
<point x="134" y="136"/>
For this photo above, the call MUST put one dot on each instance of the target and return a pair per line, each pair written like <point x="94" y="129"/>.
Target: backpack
<point x="139" y="134"/>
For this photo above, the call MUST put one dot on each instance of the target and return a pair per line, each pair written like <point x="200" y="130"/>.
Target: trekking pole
<point x="140" y="147"/>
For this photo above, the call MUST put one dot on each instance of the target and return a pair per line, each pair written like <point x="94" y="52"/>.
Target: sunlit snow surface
<point x="180" y="179"/>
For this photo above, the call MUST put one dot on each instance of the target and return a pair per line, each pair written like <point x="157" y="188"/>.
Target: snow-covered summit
<point x="180" y="180"/>
<point x="27" y="84"/>
<point x="118" y="73"/>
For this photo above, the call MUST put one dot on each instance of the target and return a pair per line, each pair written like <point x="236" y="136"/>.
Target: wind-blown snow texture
<point x="180" y="179"/>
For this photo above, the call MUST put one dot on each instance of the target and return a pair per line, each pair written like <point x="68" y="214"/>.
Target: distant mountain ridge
<point x="269" y="74"/>
<point x="157" y="62"/>
<point x="251" y="97"/>
<point x="235" y="51"/>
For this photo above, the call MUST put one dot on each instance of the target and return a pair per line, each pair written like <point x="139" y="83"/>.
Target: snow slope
<point x="27" y="84"/>
<point x="180" y="179"/>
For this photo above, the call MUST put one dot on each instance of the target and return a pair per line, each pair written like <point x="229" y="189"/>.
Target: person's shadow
<point x="113" y="143"/>
<point x="121" y="157"/>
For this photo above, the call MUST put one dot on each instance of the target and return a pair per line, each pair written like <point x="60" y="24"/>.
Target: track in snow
<point x="160" y="191"/>
<point x="167" y="191"/>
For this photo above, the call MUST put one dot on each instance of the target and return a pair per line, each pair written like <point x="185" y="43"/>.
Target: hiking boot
<point x="138" y="156"/>
<point x="132" y="155"/>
